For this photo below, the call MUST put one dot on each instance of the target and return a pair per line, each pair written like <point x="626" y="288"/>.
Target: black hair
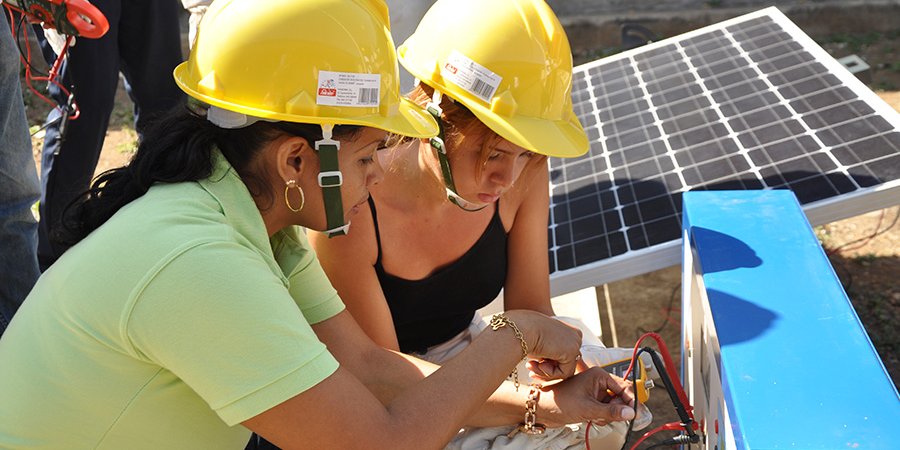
<point x="176" y="148"/>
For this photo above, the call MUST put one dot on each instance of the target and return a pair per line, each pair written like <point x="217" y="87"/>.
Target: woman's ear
<point x="292" y="156"/>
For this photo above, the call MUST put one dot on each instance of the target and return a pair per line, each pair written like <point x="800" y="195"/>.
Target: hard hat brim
<point x="408" y="120"/>
<point x="558" y="138"/>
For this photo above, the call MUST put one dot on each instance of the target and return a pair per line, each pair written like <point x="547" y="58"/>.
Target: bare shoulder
<point x="529" y="193"/>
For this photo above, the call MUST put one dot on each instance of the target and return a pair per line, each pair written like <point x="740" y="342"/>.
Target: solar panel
<point x="749" y="103"/>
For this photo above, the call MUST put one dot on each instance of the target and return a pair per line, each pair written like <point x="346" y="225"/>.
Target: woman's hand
<point x="553" y="347"/>
<point x="586" y="396"/>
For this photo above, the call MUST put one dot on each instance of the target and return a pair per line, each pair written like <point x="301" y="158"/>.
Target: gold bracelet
<point x="529" y="426"/>
<point x="499" y="321"/>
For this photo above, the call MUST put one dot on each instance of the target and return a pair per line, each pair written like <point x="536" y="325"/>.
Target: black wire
<point x="24" y="30"/>
<point x="839" y="262"/>
<point x="680" y="408"/>
<point x="876" y="233"/>
<point x="47" y="124"/>
<point x="668" y="310"/>
<point x="667" y="443"/>
<point x="635" y="368"/>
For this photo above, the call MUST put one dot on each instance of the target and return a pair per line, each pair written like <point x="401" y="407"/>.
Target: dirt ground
<point x="869" y="269"/>
<point x="865" y="250"/>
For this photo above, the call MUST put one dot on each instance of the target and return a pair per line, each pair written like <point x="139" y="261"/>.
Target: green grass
<point x="854" y="41"/>
<point x="130" y="145"/>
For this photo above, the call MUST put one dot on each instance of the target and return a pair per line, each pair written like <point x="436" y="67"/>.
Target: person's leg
<point x="19" y="187"/>
<point x="150" y="48"/>
<point x="68" y="161"/>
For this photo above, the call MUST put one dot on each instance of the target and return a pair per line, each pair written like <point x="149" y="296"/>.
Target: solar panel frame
<point x="761" y="143"/>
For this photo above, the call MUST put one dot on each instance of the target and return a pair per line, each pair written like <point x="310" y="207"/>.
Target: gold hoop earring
<point x="293" y="184"/>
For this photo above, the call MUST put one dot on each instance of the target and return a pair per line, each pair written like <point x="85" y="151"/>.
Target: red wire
<point x="673" y="376"/>
<point x="587" y="432"/>
<point x="667" y="426"/>
<point x="670" y="368"/>
<point x="52" y="76"/>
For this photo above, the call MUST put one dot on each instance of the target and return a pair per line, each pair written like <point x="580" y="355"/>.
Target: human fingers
<point x="546" y="370"/>
<point x="559" y="343"/>
<point x="580" y="365"/>
<point x="613" y="413"/>
<point x="615" y="387"/>
<point x="550" y="340"/>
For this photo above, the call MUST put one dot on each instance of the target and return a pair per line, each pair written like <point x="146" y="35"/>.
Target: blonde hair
<point x="461" y="128"/>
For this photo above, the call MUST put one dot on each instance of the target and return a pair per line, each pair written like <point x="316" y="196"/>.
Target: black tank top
<point x="432" y="310"/>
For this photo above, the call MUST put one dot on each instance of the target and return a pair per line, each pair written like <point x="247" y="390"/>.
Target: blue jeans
<point x="19" y="187"/>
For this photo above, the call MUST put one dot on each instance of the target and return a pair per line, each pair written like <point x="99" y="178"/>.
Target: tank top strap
<point x="377" y="234"/>
<point x="496" y="216"/>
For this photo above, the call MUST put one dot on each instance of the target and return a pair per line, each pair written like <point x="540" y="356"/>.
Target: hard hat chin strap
<point x="330" y="180"/>
<point x="440" y="150"/>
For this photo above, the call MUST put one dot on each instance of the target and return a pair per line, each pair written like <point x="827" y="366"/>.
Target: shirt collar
<point x="238" y="206"/>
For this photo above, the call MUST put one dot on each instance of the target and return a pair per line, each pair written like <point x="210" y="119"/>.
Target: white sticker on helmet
<point x="471" y="76"/>
<point x="348" y="89"/>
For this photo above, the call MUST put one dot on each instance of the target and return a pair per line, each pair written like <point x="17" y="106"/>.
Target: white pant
<point x="570" y="437"/>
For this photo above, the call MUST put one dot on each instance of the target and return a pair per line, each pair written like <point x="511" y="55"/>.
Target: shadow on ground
<point x="652" y="302"/>
<point x="876" y="299"/>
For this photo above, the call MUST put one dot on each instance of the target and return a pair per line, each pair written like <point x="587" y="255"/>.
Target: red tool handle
<point x="86" y="18"/>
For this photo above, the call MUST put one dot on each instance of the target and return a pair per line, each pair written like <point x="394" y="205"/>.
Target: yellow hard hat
<point x="312" y="61"/>
<point x="507" y="61"/>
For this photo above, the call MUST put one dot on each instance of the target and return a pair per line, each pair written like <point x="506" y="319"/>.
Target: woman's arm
<point x="386" y="373"/>
<point x="349" y="262"/>
<point x="341" y="412"/>
<point x="527" y="277"/>
<point x="393" y="405"/>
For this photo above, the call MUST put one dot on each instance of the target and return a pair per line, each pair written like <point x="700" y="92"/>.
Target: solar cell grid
<point x="750" y="103"/>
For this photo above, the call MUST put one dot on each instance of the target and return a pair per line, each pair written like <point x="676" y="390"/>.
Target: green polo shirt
<point x="166" y="327"/>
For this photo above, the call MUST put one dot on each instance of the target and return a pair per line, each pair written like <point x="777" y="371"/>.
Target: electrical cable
<point x="865" y="240"/>
<point x="46" y="124"/>
<point x="669" y="367"/>
<point x="633" y="383"/>
<point x="678" y="399"/>
<point x="838" y="263"/>
<point x="19" y="31"/>
<point x="673" y="387"/>
<point x="664" y="427"/>
<point x="24" y="37"/>
<point x="671" y="441"/>
<point x="676" y="392"/>
<point x="661" y="444"/>
<point x="667" y="312"/>
<point x="587" y="430"/>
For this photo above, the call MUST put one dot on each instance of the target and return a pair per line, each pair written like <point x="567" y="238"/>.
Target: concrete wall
<point x="595" y="25"/>
<point x="591" y="35"/>
<point x="580" y="8"/>
<point x="405" y="16"/>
